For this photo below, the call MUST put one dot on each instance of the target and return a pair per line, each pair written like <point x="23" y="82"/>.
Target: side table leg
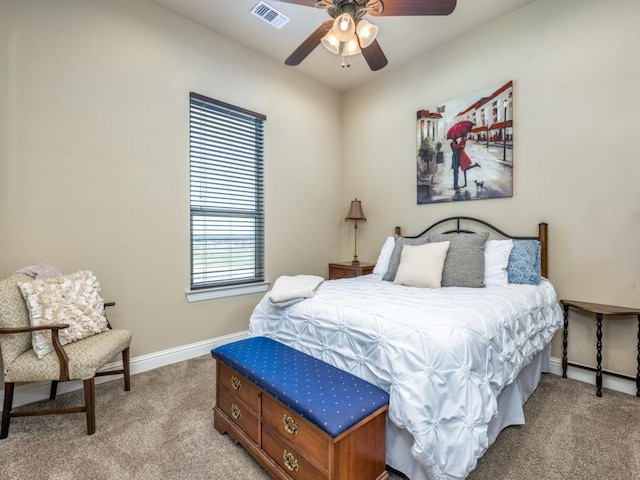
<point x="599" y="355"/>
<point x="565" y="336"/>
<point x="638" y="371"/>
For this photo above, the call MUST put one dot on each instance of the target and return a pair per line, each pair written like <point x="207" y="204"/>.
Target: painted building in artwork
<point x="428" y="124"/>
<point x="492" y="116"/>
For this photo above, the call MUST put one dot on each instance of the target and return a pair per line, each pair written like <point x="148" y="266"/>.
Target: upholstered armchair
<point x="76" y="360"/>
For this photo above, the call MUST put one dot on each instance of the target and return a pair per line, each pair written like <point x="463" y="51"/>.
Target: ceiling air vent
<point x="270" y="15"/>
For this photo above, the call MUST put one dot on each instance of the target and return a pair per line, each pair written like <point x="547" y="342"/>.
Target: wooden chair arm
<point x="108" y="304"/>
<point x="53" y="326"/>
<point x="55" y="339"/>
<point x="62" y="355"/>
<point x="63" y="359"/>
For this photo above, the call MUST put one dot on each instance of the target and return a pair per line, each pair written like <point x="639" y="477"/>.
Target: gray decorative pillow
<point x="394" y="261"/>
<point x="464" y="265"/>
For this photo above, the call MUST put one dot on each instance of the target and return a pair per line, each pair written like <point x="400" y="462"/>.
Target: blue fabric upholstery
<point x="331" y="398"/>
<point x="524" y="262"/>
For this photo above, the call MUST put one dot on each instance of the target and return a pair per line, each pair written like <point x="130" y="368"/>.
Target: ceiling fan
<point x="349" y="33"/>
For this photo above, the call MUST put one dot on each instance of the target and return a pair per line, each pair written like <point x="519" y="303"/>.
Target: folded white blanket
<point x="288" y="290"/>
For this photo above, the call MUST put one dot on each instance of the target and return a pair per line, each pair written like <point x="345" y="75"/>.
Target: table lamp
<point x="355" y="215"/>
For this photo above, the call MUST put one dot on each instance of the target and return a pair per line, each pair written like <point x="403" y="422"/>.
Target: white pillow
<point x="385" y="254"/>
<point x="496" y="259"/>
<point x="74" y="299"/>
<point x="421" y="265"/>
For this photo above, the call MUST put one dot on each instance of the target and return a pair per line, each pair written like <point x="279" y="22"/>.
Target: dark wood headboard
<point x="456" y="226"/>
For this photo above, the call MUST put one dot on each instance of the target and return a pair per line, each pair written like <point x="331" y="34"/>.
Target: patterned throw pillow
<point x="524" y="262"/>
<point x="74" y="299"/>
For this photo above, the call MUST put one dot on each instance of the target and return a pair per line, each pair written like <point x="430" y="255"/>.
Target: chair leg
<point x="54" y="390"/>
<point x="127" y="370"/>
<point x="6" y="412"/>
<point x="90" y="405"/>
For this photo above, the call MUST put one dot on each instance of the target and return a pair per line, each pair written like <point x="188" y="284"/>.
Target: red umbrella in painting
<point x="460" y="129"/>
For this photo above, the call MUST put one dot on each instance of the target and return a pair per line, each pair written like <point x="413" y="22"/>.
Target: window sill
<point x="224" y="292"/>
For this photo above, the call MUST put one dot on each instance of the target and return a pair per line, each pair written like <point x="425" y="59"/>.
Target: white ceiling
<point x="401" y="38"/>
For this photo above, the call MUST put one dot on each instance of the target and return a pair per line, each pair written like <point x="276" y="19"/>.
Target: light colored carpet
<point x="163" y="429"/>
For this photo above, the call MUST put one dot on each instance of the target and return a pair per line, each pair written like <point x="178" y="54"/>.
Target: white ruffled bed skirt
<point x="510" y="412"/>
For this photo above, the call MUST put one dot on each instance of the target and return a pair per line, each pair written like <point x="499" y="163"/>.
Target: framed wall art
<point x="465" y="147"/>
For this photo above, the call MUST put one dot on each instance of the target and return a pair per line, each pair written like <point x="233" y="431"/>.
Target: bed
<point x="458" y="362"/>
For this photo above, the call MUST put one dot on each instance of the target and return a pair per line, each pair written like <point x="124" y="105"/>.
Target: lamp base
<point x="355" y="261"/>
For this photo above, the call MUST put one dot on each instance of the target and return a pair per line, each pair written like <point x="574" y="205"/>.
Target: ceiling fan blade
<point x="374" y="56"/>
<point x="308" y="45"/>
<point x="405" y="8"/>
<point x="306" y="3"/>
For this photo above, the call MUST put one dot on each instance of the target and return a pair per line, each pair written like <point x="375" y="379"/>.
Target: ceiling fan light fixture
<point x="331" y="42"/>
<point x="351" y="47"/>
<point x="346" y="24"/>
<point x="344" y="27"/>
<point x="366" y="32"/>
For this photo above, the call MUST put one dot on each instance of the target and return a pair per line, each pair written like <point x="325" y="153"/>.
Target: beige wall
<point x="577" y="117"/>
<point x="94" y="166"/>
<point x="94" y="153"/>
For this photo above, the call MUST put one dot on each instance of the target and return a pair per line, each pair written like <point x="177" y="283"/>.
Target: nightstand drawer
<point x="337" y="273"/>
<point x="348" y="270"/>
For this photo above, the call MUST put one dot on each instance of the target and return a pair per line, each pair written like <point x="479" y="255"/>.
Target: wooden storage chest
<point x="276" y="434"/>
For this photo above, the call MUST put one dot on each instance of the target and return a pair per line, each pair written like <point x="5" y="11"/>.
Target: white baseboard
<point x="34" y="391"/>
<point x="614" y="383"/>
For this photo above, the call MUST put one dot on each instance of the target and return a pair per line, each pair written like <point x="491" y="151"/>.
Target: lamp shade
<point x="351" y="47"/>
<point x="355" y="212"/>
<point x="344" y="27"/>
<point x="331" y="42"/>
<point x="366" y="32"/>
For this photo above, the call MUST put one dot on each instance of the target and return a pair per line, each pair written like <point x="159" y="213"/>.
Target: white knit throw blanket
<point x="41" y="271"/>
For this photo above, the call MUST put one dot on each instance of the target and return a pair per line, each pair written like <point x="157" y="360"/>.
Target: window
<point x="227" y="205"/>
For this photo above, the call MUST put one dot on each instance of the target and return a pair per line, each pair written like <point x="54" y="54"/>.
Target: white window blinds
<point x="227" y="205"/>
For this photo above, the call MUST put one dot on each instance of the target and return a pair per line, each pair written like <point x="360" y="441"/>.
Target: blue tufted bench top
<point x="331" y="398"/>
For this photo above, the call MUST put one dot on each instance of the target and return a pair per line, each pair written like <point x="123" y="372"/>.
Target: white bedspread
<point x="443" y="355"/>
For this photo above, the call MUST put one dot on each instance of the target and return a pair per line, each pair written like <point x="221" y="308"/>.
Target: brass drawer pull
<point x="290" y="461"/>
<point x="290" y="424"/>
<point x="235" y="411"/>
<point x="235" y="383"/>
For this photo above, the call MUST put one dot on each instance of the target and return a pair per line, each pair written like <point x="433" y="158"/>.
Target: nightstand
<point x="347" y="270"/>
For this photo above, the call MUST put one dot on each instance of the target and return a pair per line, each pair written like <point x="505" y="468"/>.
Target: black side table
<point x="600" y="311"/>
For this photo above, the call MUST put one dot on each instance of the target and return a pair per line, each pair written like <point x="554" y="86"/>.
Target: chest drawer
<point x="296" y="430"/>
<point x="239" y="412"/>
<point x="242" y="388"/>
<point x="288" y="457"/>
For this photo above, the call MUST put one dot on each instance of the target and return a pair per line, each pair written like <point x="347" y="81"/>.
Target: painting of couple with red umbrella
<point x="465" y="147"/>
